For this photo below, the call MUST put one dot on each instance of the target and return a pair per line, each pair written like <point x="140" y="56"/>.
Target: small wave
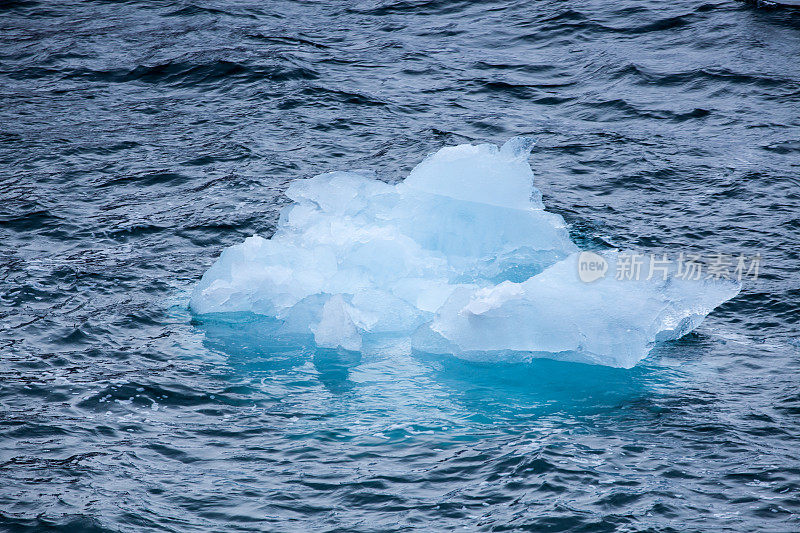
<point x="193" y="10"/>
<point x="174" y="74"/>
<point x="700" y="76"/>
<point x="412" y="7"/>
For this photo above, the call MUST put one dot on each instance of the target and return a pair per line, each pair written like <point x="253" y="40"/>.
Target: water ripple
<point x="138" y="139"/>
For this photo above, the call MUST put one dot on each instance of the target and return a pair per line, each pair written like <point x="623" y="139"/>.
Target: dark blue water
<point x="138" y="139"/>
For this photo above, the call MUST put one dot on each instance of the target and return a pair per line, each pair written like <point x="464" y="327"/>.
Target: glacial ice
<point x="460" y="258"/>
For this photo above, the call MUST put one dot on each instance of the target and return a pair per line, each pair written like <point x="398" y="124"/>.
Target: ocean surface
<point x="140" y="138"/>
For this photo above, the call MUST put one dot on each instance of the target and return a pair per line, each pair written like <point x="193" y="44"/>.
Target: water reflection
<point x="472" y="392"/>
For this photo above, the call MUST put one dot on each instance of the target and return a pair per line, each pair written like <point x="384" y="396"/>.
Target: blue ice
<point x="460" y="258"/>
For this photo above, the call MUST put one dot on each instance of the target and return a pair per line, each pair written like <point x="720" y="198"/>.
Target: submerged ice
<point x="459" y="258"/>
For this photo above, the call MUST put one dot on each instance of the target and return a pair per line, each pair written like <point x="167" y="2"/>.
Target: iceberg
<point x="460" y="258"/>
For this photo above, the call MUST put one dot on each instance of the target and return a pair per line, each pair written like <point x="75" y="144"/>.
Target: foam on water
<point x="460" y="258"/>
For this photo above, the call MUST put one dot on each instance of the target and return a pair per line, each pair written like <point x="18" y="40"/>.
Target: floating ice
<point x="459" y="258"/>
